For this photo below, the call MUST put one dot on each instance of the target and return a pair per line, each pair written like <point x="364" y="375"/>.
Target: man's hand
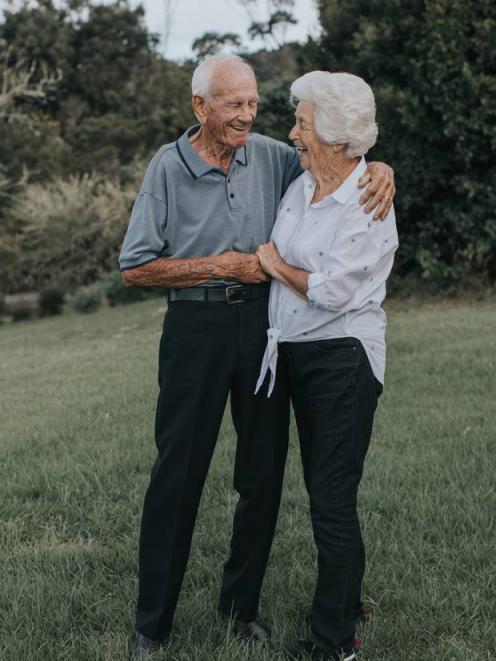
<point x="381" y="190"/>
<point x="243" y="267"/>
<point x="269" y="258"/>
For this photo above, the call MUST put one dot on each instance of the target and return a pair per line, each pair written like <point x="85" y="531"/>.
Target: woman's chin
<point x="304" y="161"/>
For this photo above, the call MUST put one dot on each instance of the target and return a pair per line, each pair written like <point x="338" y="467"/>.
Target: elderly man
<point x="206" y="203"/>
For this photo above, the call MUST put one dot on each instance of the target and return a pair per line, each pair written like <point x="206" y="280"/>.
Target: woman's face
<point x="314" y="154"/>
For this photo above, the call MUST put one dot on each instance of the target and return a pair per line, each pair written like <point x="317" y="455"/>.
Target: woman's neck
<point x="330" y="177"/>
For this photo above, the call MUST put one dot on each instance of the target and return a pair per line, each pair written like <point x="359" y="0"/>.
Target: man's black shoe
<point x="255" y="630"/>
<point x="143" y="646"/>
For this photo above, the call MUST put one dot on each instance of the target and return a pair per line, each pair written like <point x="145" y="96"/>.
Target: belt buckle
<point x="235" y="294"/>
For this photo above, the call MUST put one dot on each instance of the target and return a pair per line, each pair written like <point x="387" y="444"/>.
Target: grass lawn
<point x="76" y="444"/>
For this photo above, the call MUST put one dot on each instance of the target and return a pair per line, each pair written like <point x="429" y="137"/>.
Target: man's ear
<point x="199" y="103"/>
<point x="340" y="147"/>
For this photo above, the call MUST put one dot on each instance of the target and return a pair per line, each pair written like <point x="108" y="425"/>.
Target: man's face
<point x="311" y="149"/>
<point x="227" y="115"/>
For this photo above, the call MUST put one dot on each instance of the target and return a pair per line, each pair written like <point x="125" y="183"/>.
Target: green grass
<point x="77" y="406"/>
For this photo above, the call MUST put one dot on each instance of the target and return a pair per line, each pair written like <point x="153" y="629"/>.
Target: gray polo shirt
<point x="188" y="208"/>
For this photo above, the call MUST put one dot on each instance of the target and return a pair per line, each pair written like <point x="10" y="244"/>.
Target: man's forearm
<point x="162" y="272"/>
<point x="176" y="272"/>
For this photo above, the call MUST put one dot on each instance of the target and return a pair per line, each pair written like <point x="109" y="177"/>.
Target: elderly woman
<point x="329" y="263"/>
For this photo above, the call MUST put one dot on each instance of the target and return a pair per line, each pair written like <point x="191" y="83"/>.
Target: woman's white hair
<point x="344" y="109"/>
<point x="201" y="83"/>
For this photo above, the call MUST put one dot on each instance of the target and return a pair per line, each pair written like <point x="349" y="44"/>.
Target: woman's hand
<point x="380" y="191"/>
<point x="275" y="266"/>
<point x="269" y="258"/>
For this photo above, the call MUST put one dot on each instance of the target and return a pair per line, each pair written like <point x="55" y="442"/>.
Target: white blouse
<point x="349" y="257"/>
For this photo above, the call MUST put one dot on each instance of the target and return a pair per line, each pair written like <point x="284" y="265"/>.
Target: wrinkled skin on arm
<point x="162" y="272"/>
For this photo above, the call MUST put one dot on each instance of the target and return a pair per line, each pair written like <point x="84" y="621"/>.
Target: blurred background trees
<point x="87" y="96"/>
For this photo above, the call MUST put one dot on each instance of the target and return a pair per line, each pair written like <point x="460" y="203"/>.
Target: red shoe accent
<point x="357" y="644"/>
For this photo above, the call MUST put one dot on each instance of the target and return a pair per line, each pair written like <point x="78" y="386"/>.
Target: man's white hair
<point x="201" y="82"/>
<point x="344" y="109"/>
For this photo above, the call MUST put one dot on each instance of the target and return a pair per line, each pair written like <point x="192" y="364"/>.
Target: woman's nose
<point x="293" y="134"/>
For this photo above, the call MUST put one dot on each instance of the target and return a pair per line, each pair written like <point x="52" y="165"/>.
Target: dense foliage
<point x="83" y="91"/>
<point x="432" y="64"/>
<point x="86" y="98"/>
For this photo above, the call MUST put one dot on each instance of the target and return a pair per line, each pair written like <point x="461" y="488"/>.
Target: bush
<point x="87" y="299"/>
<point x="72" y="228"/>
<point x="22" y="312"/>
<point x="118" y="294"/>
<point x="51" y="301"/>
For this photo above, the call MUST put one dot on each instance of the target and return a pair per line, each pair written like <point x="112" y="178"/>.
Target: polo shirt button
<point x="232" y="194"/>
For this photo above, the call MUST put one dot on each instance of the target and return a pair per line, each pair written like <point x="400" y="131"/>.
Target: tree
<point x="211" y="43"/>
<point x="170" y="7"/>
<point x="273" y="29"/>
<point x="432" y="66"/>
<point x="22" y="82"/>
<point x="112" y="51"/>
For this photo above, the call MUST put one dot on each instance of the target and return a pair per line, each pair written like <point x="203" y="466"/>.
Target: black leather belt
<point x="225" y="294"/>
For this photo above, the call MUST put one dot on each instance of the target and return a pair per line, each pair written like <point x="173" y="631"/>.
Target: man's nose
<point x="293" y="134"/>
<point x="247" y="114"/>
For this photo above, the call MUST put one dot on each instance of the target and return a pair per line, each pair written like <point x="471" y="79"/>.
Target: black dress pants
<point x="209" y="350"/>
<point x="334" y="396"/>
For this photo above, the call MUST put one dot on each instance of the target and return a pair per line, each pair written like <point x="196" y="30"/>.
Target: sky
<point x="192" y="18"/>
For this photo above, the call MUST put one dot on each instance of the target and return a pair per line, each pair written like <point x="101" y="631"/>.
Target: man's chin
<point x="239" y="139"/>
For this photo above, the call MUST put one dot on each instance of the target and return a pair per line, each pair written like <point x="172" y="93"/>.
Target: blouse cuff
<point x="314" y="280"/>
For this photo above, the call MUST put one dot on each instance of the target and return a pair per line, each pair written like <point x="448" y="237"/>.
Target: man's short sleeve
<point x="145" y="236"/>
<point x="293" y="168"/>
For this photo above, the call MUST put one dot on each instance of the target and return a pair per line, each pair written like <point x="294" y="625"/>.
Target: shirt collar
<point x="192" y="159"/>
<point x="341" y="194"/>
<point x="349" y="185"/>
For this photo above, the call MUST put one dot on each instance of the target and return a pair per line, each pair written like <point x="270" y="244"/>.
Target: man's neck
<point x="218" y="155"/>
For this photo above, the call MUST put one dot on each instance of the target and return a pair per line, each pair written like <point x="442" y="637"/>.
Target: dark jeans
<point x="334" y="395"/>
<point x="209" y="350"/>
